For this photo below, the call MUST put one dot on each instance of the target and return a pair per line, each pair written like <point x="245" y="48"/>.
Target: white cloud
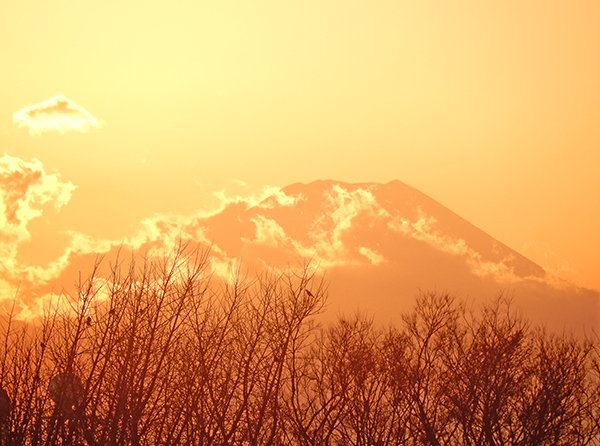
<point x="423" y="229"/>
<point x="328" y="230"/>
<point x="24" y="188"/>
<point x="266" y="198"/>
<point x="274" y="195"/>
<point x="57" y="113"/>
<point x="372" y="255"/>
<point x="267" y="231"/>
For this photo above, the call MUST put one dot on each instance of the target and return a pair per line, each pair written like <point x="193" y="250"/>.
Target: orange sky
<point x="491" y="108"/>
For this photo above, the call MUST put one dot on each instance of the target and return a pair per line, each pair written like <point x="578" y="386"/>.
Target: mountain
<point x="378" y="245"/>
<point x="381" y="244"/>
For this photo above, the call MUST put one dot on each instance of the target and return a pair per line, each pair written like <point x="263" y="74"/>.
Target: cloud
<point x="326" y="234"/>
<point x="423" y="229"/>
<point x="268" y="231"/>
<point x="266" y="198"/>
<point x="328" y="231"/>
<point x="57" y="113"/>
<point x="24" y="188"/>
<point x="372" y="255"/>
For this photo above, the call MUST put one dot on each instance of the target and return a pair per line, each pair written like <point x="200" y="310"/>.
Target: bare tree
<point x="422" y="373"/>
<point x="158" y="352"/>
<point x="487" y="370"/>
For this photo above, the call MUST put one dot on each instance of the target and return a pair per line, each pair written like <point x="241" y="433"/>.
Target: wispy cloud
<point x="267" y="197"/>
<point x="268" y="231"/>
<point x="372" y="255"/>
<point x="57" y="113"/>
<point x="424" y="229"/>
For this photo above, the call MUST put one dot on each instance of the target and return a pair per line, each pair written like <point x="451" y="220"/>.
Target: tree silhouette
<point x="160" y="352"/>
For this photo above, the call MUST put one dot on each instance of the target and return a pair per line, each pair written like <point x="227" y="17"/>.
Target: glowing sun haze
<point x="490" y="108"/>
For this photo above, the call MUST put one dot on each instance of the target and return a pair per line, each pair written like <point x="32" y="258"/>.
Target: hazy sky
<point x="491" y="108"/>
